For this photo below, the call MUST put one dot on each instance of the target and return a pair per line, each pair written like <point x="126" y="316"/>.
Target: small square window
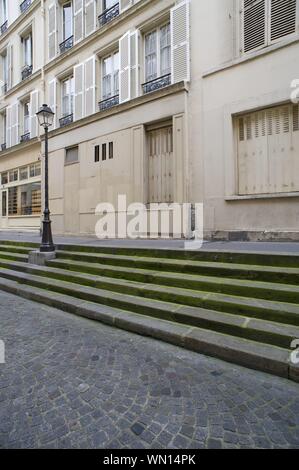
<point x="72" y="155"/>
<point x="13" y="176"/>
<point x="110" y="150"/>
<point x="104" y="152"/>
<point x="97" y="153"/>
<point x="24" y="173"/>
<point x="4" y="178"/>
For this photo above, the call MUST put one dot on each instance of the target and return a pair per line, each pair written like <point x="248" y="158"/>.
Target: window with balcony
<point x="157" y="59"/>
<point x="27" y="56"/>
<point x="67" y="28"/>
<point x="110" y="11"/>
<point x="25" y="5"/>
<point x="26" y="121"/>
<point x="3" y="15"/>
<point x="110" y="81"/>
<point x="4" y="61"/>
<point x="67" y="101"/>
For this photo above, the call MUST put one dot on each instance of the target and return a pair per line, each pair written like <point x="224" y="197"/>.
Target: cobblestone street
<point x="74" y="383"/>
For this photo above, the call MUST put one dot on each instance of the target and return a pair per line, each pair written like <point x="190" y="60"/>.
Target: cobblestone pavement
<point x="74" y="383"/>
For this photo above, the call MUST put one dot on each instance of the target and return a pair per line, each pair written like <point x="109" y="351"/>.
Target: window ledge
<point x="22" y="17"/>
<point x="252" y="56"/>
<point x="19" y="146"/>
<point x="23" y="83"/>
<point x="261" y="196"/>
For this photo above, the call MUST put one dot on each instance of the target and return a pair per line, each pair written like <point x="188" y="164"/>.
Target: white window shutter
<point x="90" y="16"/>
<point x="8" y="126"/>
<point x="53" y="98"/>
<point x="14" y="124"/>
<point x="254" y="24"/>
<point x="79" y="91"/>
<point x="180" y="41"/>
<point x="52" y="31"/>
<point x="78" y="20"/>
<point x="283" y="18"/>
<point x="90" y="86"/>
<point x="134" y="63"/>
<point x="9" y="66"/>
<point x="125" y="4"/>
<point x="33" y="110"/>
<point x="125" y="68"/>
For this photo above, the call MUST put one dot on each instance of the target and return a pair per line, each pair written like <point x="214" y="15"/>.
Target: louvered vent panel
<point x="241" y="130"/>
<point x="283" y="18"/>
<point x="254" y="24"/>
<point x="296" y="117"/>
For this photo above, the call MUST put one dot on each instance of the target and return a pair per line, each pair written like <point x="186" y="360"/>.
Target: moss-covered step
<point x="245" y="288"/>
<point x="263" y="357"/>
<point x="13" y="256"/>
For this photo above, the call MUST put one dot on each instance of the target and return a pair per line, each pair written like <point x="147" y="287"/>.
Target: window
<point x="4" y="203"/>
<point x="27" y="42"/>
<point x="267" y="150"/>
<point x="3" y="11"/>
<point x="4" y="178"/>
<point x="5" y="71"/>
<point x="35" y="170"/>
<point x="110" y="69"/>
<point x="13" y="176"/>
<point x="26" y="117"/>
<point x="97" y="153"/>
<point x="23" y="173"/>
<point x="104" y="152"/>
<point x="108" y="4"/>
<point x="24" y="200"/>
<point x="110" y="150"/>
<point x="67" y="96"/>
<point x="157" y="53"/>
<point x="72" y="155"/>
<point x="3" y="131"/>
<point x="67" y="21"/>
<point x="267" y="21"/>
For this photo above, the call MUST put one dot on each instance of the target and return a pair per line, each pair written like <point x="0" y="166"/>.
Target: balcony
<point x="4" y="27"/>
<point x="26" y="71"/>
<point x="66" y="120"/>
<point x="25" y="137"/>
<point x="3" y="146"/>
<point x="109" y="103"/>
<point x="4" y="89"/>
<point x="66" y="45"/>
<point x="157" y="84"/>
<point x="25" y="5"/>
<point x="108" y="15"/>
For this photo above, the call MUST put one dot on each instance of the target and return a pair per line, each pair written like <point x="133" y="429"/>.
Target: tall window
<point x="267" y="21"/>
<point x="4" y="128"/>
<point x="26" y="114"/>
<point x="68" y="96"/>
<point x="27" y="41"/>
<point x="108" y="4"/>
<point x="3" y="11"/>
<point x="111" y="76"/>
<point x="5" y="68"/>
<point x="157" y="53"/>
<point x="67" y="21"/>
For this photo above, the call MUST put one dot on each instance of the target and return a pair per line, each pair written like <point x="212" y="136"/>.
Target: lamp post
<point x="45" y="119"/>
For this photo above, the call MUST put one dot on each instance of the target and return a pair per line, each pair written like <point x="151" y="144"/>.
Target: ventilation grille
<point x="296" y="117"/>
<point x="283" y="18"/>
<point x="254" y="24"/>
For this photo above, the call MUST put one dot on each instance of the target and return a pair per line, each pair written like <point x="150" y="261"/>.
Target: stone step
<point x="241" y="287"/>
<point x="263" y="357"/>
<point x="144" y="299"/>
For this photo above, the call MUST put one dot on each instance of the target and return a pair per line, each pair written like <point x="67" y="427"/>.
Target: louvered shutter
<point x="9" y="67"/>
<point x="8" y="126"/>
<point x="125" y="4"/>
<point x="254" y="24"/>
<point x="79" y="91"/>
<point x="15" y="124"/>
<point x="90" y="16"/>
<point x="78" y="20"/>
<point x="33" y="111"/>
<point x="53" y="98"/>
<point x="134" y="63"/>
<point x="180" y="42"/>
<point x="52" y="31"/>
<point x="124" y="73"/>
<point x="283" y="18"/>
<point x="90" y="85"/>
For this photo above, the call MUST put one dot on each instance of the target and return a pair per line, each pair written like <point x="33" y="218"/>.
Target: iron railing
<point x="3" y="146"/>
<point x="25" y="137"/>
<point x="66" y="45"/>
<point x="4" y="27"/>
<point x="66" y="120"/>
<point x="27" y="71"/>
<point x="157" y="83"/>
<point x="109" y="103"/>
<point x="108" y="15"/>
<point x="25" y="5"/>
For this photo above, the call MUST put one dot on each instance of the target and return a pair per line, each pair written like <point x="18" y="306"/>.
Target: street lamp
<point x="45" y="119"/>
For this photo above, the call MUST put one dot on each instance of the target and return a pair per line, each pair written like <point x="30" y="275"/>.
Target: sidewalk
<point x="267" y="247"/>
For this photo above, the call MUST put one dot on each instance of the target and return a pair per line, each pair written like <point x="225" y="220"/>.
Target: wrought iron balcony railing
<point x="108" y="15"/>
<point x="66" y="120"/>
<point x="66" y="45"/>
<point x="109" y="103"/>
<point x="157" y="83"/>
<point x="4" y="89"/>
<point x="3" y="146"/>
<point x="27" y="71"/>
<point x="25" y="5"/>
<point x="25" y="137"/>
<point x="4" y="27"/>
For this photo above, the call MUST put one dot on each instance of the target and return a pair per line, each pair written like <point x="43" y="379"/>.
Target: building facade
<point x="159" y="100"/>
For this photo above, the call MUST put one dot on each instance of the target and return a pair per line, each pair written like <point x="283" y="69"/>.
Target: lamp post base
<point x="38" y="258"/>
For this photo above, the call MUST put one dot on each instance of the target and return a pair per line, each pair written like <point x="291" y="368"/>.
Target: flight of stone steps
<point x="237" y="306"/>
